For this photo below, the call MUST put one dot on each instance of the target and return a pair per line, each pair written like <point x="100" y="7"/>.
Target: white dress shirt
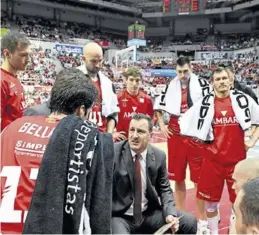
<point x="143" y="160"/>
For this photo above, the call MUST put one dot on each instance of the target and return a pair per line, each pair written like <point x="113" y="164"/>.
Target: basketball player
<point x="24" y="142"/>
<point x="132" y="100"/>
<point x="16" y="55"/>
<point x="181" y="93"/>
<point x="241" y="87"/>
<point x="105" y="109"/>
<point x="231" y="112"/>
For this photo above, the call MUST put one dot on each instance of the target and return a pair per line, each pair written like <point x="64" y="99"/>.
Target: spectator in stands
<point x="4" y="20"/>
<point x="247" y="90"/>
<point x="105" y="109"/>
<point x="38" y="110"/>
<point x="247" y="208"/>
<point x="44" y="108"/>
<point x="16" y="52"/>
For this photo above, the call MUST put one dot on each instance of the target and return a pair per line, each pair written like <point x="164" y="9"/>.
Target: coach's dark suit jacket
<point x="158" y="185"/>
<point x="38" y="110"/>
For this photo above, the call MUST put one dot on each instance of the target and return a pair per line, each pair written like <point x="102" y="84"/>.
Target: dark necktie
<point x="137" y="191"/>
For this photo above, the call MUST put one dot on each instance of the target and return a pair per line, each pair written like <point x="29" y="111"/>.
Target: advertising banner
<point x="214" y="55"/>
<point x="69" y="48"/>
<point x="160" y="72"/>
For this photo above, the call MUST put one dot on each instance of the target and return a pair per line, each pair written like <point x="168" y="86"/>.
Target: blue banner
<point x="160" y="72"/>
<point x="69" y="48"/>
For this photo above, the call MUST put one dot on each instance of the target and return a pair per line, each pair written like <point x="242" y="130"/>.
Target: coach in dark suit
<point x="38" y="110"/>
<point x="142" y="197"/>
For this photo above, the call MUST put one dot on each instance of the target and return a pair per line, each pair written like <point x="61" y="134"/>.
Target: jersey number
<point x="96" y="118"/>
<point x="163" y="94"/>
<point x="7" y="211"/>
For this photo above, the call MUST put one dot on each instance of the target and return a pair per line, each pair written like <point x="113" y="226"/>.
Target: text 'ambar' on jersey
<point x="225" y="120"/>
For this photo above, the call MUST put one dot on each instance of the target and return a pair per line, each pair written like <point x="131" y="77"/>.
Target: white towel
<point x="170" y="99"/>
<point x="197" y="121"/>
<point x="109" y="99"/>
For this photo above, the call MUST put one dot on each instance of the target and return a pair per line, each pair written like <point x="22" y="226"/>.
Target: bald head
<point x="249" y="167"/>
<point x="245" y="170"/>
<point x="93" y="58"/>
<point x="92" y="48"/>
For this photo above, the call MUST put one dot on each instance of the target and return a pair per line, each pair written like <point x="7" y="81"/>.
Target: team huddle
<point x="206" y="131"/>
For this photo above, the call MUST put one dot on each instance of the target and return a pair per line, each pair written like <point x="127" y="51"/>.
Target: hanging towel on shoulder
<point x="170" y="99"/>
<point x="109" y="99"/>
<point x="74" y="182"/>
<point x="197" y="121"/>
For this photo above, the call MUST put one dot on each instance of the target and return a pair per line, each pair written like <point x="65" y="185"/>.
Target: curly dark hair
<point x="71" y="90"/>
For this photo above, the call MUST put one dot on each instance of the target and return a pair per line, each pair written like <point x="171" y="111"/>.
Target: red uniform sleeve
<point x="119" y="95"/>
<point x="150" y="108"/>
<point x="4" y="95"/>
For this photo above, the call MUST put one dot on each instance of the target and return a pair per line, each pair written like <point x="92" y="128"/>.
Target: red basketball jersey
<point x="228" y="146"/>
<point x="12" y="98"/>
<point x="129" y="105"/>
<point x="173" y="122"/>
<point x="96" y="113"/>
<point x="23" y="144"/>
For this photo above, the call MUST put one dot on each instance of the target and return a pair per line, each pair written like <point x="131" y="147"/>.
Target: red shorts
<point x="212" y="179"/>
<point x="181" y="153"/>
